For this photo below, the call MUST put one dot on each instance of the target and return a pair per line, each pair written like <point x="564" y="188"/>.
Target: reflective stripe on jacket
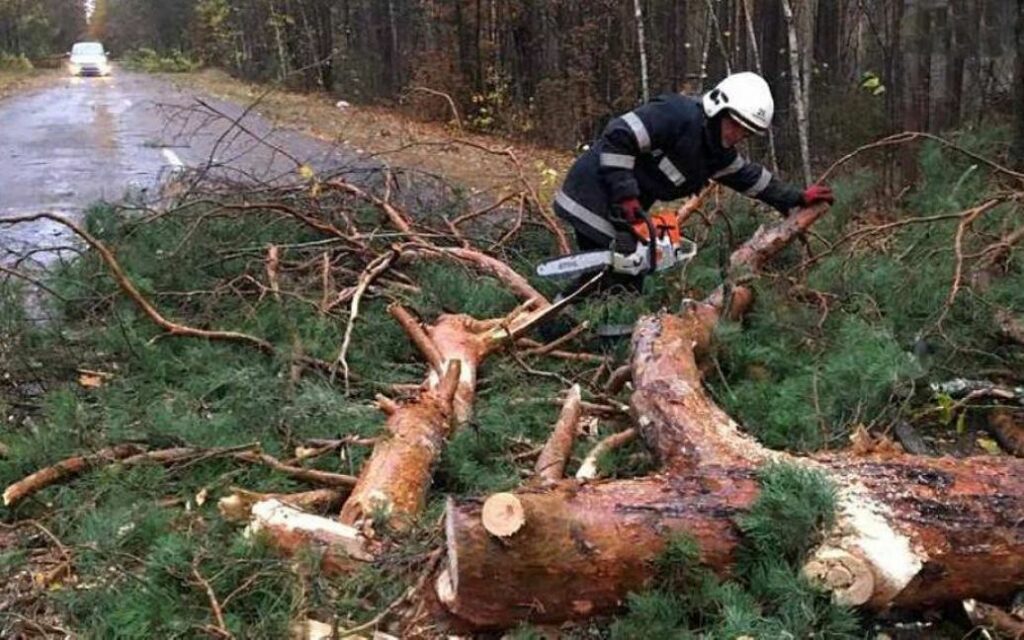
<point x="662" y="151"/>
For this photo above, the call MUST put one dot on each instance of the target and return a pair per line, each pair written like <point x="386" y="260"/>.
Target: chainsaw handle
<point x="652" y="243"/>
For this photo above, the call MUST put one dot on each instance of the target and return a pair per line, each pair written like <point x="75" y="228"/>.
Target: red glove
<point x="818" y="193"/>
<point x="629" y="209"/>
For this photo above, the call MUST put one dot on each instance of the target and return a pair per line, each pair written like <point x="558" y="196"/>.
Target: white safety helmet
<point x="746" y="97"/>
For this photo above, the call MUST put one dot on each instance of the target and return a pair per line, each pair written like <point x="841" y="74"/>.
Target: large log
<point x="584" y="547"/>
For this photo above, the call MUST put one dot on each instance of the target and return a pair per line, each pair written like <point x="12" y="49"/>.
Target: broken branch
<point x="64" y="469"/>
<point x="550" y="465"/>
<point x="588" y="469"/>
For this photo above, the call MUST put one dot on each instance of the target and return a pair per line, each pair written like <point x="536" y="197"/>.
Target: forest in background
<point x="555" y="71"/>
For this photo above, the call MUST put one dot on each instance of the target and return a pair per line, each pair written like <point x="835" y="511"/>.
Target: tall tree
<point x="799" y="93"/>
<point x="1017" y="154"/>
<point x="642" y="46"/>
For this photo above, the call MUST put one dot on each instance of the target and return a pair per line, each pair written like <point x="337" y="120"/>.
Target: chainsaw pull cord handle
<point x="652" y="237"/>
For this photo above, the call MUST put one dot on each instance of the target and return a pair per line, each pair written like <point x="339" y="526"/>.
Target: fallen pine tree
<point x="910" y="531"/>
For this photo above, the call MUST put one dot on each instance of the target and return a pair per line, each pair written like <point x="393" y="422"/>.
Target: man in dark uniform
<point x="667" y="149"/>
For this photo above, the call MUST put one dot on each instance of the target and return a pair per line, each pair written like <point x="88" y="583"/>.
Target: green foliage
<point x="148" y="60"/>
<point x="795" y="506"/>
<point x="767" y="597"/>
<point x="800" y="391"/>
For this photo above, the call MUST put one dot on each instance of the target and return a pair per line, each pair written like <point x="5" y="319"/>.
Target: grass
<point x="13" y="82"/>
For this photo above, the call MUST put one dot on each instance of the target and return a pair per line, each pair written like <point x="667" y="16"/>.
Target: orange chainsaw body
<point x="665" y="222"/>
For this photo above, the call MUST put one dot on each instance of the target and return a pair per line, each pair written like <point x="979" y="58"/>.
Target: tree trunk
<point x="956" y="54"/>
<point x="799" y="97"/>
<point x="394" y="481"/>
<point x="752" y="36"/>
<point x="584" y="547"/>
<point x="705" y="50"/>
<point x="642" y="47"/>
<point x="1017" y="153"/>
<point x="918" y="71"/>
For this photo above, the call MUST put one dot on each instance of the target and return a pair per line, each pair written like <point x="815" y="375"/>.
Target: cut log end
<point x="848" y="577"/>
<point x="503" y="515"/>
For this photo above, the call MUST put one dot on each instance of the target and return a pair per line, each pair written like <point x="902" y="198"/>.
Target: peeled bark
<point x="588" y="468"/>
<point x="341" y="548"/>
<point x="237" y="507"/>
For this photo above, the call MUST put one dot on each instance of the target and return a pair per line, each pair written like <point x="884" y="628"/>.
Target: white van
<point x="88" y="59"/>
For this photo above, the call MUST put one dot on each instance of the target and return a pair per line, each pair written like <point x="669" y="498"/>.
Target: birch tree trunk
<point x="799" y="97"/>
<point x="752" y="35"/>
<point x="706" y="49"/>
<point x="718" y="37"/>
<point x="642" y="46"/>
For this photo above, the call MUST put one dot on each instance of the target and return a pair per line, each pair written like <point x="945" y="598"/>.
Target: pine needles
<point x="767" y="597"/>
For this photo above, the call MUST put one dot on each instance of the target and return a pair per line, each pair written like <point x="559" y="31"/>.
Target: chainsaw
<point x="660" y="246"/>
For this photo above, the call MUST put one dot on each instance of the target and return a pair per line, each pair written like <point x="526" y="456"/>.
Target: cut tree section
<point x="584" y="547"/>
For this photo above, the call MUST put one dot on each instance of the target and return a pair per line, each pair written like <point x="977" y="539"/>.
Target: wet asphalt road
<point x="82" y="140"/>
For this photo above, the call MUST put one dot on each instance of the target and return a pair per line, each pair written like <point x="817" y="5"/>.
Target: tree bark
<point x="799" y="95"/>
<point x="550" y="466"/>
<point x="393" y="483"/>
<point x="584" y="547"/>
<point x="1017" y="153"/>
<point x="65" y="469"/>
<point x="752" y="37"/>
<point x="638" y="15"/>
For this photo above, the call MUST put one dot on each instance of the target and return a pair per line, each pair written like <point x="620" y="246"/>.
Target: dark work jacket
<point x="664" y="150"/>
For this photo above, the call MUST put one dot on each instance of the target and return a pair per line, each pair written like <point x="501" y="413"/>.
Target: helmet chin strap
<point x="715" y="126"/>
